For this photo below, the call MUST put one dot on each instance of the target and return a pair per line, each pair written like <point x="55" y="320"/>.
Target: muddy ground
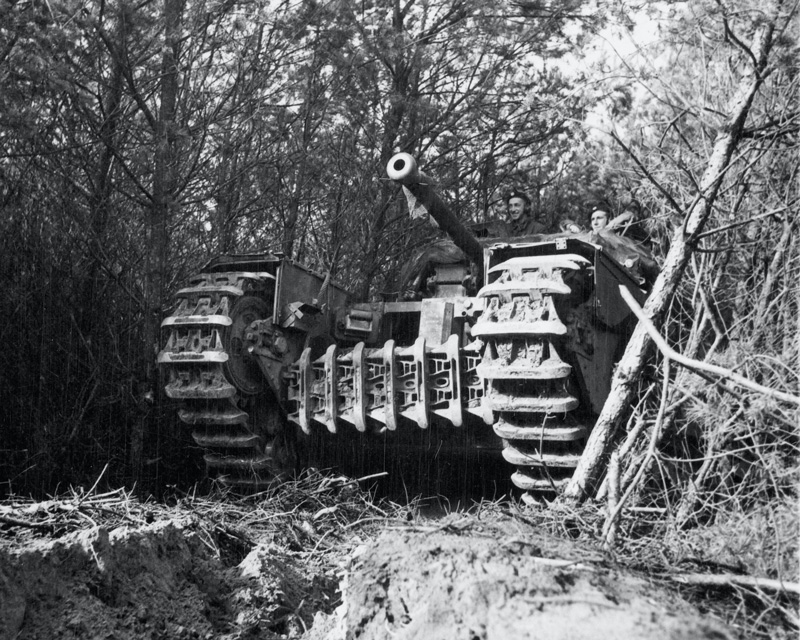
<point x="455" y="579"/>
<point x="325" y="566"/>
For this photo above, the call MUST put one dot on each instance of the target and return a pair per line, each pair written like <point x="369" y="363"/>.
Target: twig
<point x="613" y="500"/>
<point x="740" y="223"/>
<point x="697" y="365"/>
<point x="19" y="522"/>
<point x="729" y="579"/>
<point x="667" y="195"/>
<point x="361" y="521"/>
<point x="690" y="497"/>
<point x="380" y="474"/>
<point x="375" y="507"/>
<point x="555" y="562"/>
<point x="319" y="542"/>
<point x="94" y="486"/>
<point x="570" y="600"/>
<point x="630" y="440"/>
<point x="655" y="437"/>
<point x="337" y="484"/>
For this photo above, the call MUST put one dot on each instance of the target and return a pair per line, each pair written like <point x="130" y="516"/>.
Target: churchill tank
<point x="500" y="346"/>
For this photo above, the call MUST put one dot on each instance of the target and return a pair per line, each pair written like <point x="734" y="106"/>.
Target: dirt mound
<point x="317" y="571"/>
<point x="500" y="581"/>
<point x="159" y="581"/>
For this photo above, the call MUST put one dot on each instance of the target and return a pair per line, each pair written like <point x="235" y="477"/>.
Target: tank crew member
<point x="521" y="217"/>
<point x="600" y="220"/>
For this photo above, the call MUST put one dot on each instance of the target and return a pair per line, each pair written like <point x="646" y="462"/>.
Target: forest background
<point x="139" y="139"/>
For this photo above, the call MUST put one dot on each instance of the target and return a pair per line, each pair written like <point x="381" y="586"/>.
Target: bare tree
<point x="693" y="217"/>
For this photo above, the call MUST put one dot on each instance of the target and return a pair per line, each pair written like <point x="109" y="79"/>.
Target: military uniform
<point x="526" y="226"/>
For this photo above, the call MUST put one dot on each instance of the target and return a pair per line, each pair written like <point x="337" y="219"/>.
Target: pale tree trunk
<point x="631" y="366"/>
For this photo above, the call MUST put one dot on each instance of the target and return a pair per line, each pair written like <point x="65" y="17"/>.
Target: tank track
<point x="347" y="386"/>
<point x="528" y="398"/>
<point x="207" y="367"/>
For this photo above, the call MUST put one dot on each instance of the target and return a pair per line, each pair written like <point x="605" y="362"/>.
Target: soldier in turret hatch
<point x="599" y="220"/>
<point x="521" y="219"/>
<point x="602" y="223"/>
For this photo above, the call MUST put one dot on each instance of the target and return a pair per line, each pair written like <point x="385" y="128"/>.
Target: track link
<point x="528" y="396"/>
<point x="235" y="420"/>
<point x="372" y="388"/>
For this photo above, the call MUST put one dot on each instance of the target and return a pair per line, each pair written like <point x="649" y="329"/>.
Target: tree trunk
<point x="684" y="239"/>
<point x="109" y="113"/>
<point x="164" y="193"/>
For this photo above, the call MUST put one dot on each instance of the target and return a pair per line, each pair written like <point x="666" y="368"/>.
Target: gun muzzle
<point x="403" y="169"/>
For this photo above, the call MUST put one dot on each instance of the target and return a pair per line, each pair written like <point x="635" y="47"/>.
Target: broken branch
<point x="730" y="580"/>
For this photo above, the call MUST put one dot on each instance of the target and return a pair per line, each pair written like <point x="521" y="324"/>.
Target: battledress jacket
<point x="526" y="226"/>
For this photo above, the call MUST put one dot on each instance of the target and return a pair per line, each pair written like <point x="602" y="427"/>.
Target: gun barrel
<point x="403" y="169"/>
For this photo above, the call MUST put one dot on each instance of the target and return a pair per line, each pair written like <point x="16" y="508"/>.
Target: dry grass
<point x="315" y="513"/>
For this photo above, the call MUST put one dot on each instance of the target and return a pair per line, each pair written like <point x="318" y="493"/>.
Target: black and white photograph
<point x="400" y="319"/>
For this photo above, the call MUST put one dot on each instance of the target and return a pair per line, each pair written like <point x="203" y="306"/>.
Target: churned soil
<point x="177" y="575"/>
<point x="162" y="580"/>
<point x="472" y="580"/>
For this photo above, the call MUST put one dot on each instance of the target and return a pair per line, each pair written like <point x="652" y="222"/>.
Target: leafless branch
<point x="696" y="365"/>
<point x="678" y="209"/>
<point x="728" y="579"/>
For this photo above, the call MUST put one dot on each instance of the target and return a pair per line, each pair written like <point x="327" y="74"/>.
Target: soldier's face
<point x="516" y="208"/>
<point x="599" y="220"/>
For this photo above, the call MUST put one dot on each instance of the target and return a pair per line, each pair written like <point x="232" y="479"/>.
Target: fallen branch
<point x="697" y="365"/>
<point x="19" y="522"/>
<point x="730" y="580"/>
